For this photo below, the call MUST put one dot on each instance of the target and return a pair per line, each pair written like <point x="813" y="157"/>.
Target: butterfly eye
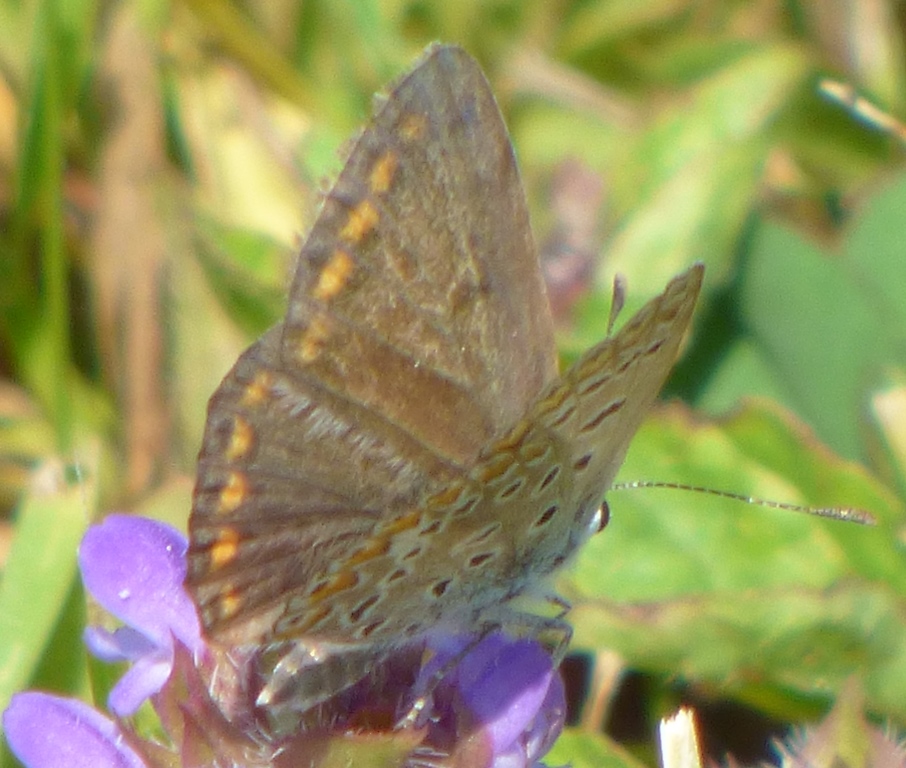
<point x="589" y="522"/>
<point x="602" y="517"/>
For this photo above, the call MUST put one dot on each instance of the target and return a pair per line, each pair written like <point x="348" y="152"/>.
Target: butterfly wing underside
<point x="606" y="394"/>
<point x="534" y="495"/>
<point x="417" y="328"/>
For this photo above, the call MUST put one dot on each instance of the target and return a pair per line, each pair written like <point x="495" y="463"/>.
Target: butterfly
<point x="400" y="455"/>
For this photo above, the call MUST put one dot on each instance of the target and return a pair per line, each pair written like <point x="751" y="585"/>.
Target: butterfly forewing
<point x="542" y="482"/>
<point x="613" y="385"/>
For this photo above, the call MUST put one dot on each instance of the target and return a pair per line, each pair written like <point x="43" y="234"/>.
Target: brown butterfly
<point x="400" y="455"/>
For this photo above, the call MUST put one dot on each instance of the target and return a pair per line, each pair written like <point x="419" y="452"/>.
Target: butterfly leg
<point x="553" y="631"/>
<point x="427" y="683"/>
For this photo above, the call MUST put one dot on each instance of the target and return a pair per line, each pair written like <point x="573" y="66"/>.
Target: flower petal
<point x="46" y="731"/>
<point x="142" y="680"/>
<point x="505" y="683"/>
<point x="547" y="725"/>
<point x="125" y="644"/>
<point x="134" y="567"/>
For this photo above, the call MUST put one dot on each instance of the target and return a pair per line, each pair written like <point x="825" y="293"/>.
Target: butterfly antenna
<point x="849" y="514"/>
<point x="618" y="298"/>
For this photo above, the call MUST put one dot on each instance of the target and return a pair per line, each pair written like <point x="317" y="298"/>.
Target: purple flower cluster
<point x="501" y="705"/>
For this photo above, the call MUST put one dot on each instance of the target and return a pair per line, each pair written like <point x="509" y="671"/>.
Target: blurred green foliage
<point x="159" y="163"/>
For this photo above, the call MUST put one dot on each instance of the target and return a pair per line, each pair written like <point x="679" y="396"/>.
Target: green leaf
<point x="40" y="575"/>
<point x="589" y="750"/>
<point x="692" y="585"/>
<point x="830" y="330"/>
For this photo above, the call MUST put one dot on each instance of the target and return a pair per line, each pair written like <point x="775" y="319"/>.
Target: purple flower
<point x="45" y="731"/>
<point x="134" y="567"/>
<point x="503" y="702"/>
<point x="500" y="705"/>
<point x="512" y="689"/>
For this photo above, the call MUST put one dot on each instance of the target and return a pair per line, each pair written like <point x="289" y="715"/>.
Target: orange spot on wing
<point x="241" y="439"/>
<point x="382" y="173"/>
<point x="533" y="451"/>
<point x="495" y="468"/>
<point x="552" y="402"/>
<point x="233" y="493"/>
<point x="338" y="583"/>
<point x="447" y="497"/>
<point x="372" y="549"/>
<point x="404" y="523"/>
<point x="362" y="219"/>
<point x="512" y="440"/>
<point x="229" y="604"/>
<point x="334" y="276"/>
<point x="258" y="389"/>
<point x="312" y="341"/>
<point x="223" y="551"/>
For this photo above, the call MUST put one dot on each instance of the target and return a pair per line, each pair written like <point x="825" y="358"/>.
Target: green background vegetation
<point x="160" y="162"/>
